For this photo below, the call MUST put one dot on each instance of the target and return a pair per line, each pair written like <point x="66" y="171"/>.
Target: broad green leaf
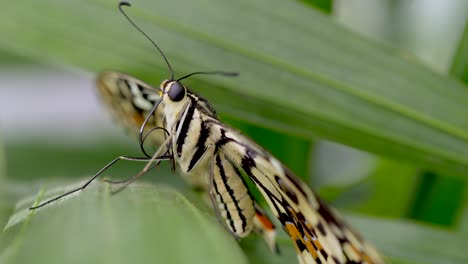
<point x="437" y="198"/>
<point x="411" y="242"/>
<point x="143" y="224"/>
<point x="301" y="73"/>
<point x="157" y="224"/>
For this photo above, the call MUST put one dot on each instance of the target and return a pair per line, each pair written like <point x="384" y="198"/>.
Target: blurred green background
<point x="365" y="100"/>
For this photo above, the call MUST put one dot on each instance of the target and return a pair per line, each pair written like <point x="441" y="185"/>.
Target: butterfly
<point x="220" y="160"/>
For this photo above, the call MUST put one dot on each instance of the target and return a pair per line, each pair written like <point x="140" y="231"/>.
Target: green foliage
<point x="302" y="76"/>
<point x="301" y="72"/>
<point x="148" y="224"/>
<point x="410" y="242"/>
<point x="137" y="226"/>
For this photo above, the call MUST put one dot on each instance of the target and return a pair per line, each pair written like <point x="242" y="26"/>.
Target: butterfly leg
<point x="159" y="159"/>
<point x="153" y="162"/>
<point x="82" y="187"/>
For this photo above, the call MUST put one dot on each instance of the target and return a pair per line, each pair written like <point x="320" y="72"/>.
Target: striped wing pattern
<point x="318" y="233"/>
<point x="129" y="100"/>
<point x="213" y="156"/>
<point x="232" y="196"/>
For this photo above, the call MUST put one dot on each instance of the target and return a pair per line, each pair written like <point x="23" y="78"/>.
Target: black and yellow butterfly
<point x="218" y="159"/>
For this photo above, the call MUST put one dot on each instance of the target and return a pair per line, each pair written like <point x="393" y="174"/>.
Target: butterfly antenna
<point x="231" y="74"/>
<point x="125" y="3"/>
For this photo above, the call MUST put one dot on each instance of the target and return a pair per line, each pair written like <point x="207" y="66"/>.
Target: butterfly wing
<point x="318" y="233"/>
<point x="129" y="100"/>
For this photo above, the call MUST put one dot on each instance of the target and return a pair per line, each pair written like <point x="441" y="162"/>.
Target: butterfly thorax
<point x="191" y="121"/>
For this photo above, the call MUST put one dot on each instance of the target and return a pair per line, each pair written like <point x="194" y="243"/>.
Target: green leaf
<point x="411" y="242"/>
<point x="300" y="72"/>
<point x="157" y="224"/>
<point x="143" y="224"/>
<point x="439" y="199"/>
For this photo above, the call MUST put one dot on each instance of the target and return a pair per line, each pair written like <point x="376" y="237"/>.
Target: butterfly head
<point x="172" y="92"/>
<point x="174" y="98"/>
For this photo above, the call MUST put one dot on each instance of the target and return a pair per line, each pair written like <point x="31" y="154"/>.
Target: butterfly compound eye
<point x="176" y="92"/>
